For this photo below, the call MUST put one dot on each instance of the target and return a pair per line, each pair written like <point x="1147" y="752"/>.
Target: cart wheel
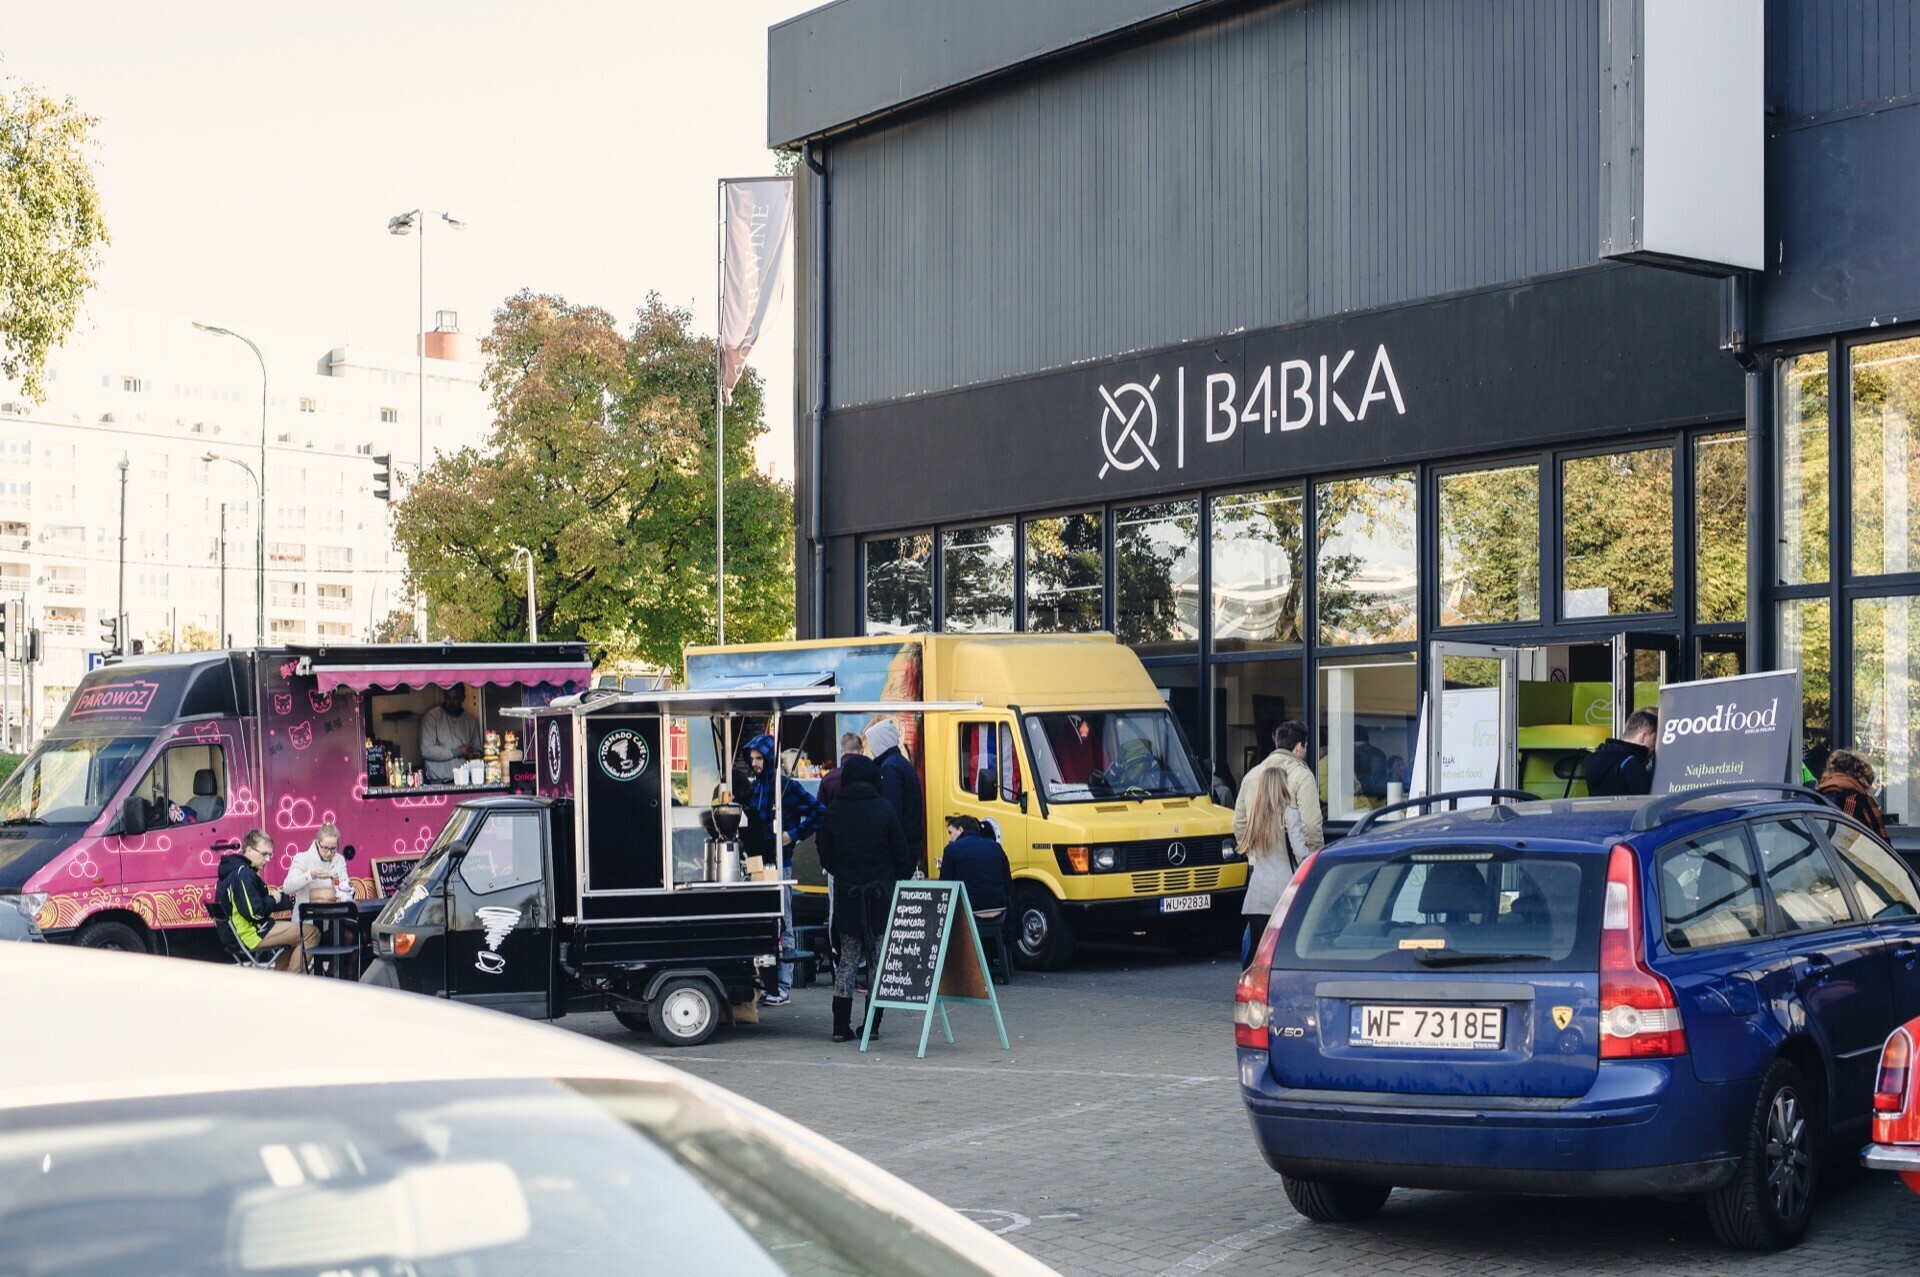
<point x="634" y="1020"/>
<point x="684" y="1012"/>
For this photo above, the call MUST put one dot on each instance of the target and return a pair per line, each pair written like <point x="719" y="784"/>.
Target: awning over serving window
<point x="361" y="678"/>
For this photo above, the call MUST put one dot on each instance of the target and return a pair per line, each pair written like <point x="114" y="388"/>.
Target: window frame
<point x="1741" y="832"/>
<point x="1775" y="914"/>
<point x="540" y="852"/>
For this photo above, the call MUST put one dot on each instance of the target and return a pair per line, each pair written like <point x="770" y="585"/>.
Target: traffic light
<point x="110" y="633"/>
<point x="6" y="637"/>
<point x="383" y="477"/>
<point x="33" y="645"/>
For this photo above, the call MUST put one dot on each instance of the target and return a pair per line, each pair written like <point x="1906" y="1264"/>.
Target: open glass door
<point x="1470" y="744"/>
<point x="1642" y="664"/>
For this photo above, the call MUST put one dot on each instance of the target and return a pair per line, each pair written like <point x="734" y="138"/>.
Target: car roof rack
<point x="1654" y="812"/>
<point x="1452" y="796"/>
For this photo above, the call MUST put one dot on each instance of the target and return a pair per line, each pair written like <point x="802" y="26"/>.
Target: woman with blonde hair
<point x="1275" y="843"/>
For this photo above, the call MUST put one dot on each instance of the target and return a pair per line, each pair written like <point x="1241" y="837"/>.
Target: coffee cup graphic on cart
<point x="499" y="923"/>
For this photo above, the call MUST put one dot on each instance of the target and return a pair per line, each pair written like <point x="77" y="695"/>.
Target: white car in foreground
<point x="163" y="1117"/>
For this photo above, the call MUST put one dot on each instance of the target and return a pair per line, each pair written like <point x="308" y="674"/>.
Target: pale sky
<point x="251" y="154"/>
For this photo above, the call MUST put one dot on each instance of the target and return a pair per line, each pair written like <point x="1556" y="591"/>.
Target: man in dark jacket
<point x="863" y="847"/>
<point x="899" y="784"/>
<point x="974" y="858"/>
<point x="247" y="903"/>
<point x="1625" y="766"/>
<point x="800" y="814"/>
<point x="850" y="745"/>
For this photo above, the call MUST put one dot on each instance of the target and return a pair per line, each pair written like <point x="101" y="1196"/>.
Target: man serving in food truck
<point x="448" y="734"/>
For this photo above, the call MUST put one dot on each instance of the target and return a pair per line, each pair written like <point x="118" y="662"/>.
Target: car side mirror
<point x="133" y="814"/>
<point x="987" y="786"/>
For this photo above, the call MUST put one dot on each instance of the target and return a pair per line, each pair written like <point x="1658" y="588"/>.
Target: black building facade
<point x="1277" y="338"/>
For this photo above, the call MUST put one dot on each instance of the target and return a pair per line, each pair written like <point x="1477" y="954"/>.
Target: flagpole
<point x="720" y="427"/>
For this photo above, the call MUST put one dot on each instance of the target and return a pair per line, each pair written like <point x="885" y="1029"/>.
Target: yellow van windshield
<point x="1096" y="755"/>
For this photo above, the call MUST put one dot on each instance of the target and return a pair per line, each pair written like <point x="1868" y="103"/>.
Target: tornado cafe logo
<point x="1129" y="426"/>
<point x="623" y="754"/>
<point x="553" y="753"/>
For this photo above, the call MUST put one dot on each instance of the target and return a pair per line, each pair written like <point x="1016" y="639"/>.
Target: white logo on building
<point x="1290" y="395"/>
<point x="1124" y="409"/>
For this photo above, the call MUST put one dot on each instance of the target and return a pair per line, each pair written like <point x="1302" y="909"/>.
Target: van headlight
<point x="1229" y="849"/>
<point x="29" y="903"/>
<point x="1105" y="859"/>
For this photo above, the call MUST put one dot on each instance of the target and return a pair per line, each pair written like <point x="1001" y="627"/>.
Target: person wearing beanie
<point x="864" y="850"/>
<point x="899" y="784"/>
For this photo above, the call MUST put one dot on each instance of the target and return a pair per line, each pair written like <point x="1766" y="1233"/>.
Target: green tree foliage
<point x="1617" y="526"/>
<point x="51" y="228"/>
<point x="1490" y="546"/>
<point x="1065" y="571"/>
<point x="192" y="638"/>
<point x="601" y="463"/>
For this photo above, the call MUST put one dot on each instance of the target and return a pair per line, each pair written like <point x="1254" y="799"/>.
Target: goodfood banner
<point x="757" y="227"/>
<point x="1722" y="730"/>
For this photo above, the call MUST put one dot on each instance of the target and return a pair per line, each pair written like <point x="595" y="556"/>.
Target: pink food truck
<point x="113" y="827"/>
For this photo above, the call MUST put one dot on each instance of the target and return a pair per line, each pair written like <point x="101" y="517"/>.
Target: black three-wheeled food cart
<point x="618" y="885"/>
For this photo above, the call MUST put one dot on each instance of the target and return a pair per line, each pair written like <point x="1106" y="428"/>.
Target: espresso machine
<point x="723" y="859"/>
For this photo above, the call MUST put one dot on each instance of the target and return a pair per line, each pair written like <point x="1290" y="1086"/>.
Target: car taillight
<point x="1896" y="1070"/>
<point x="1250" y="1010"/>
<point x="1639" y="1017"/>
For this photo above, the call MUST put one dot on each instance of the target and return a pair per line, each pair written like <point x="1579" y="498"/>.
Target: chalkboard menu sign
<point x="930" y="955"/>
<point x="916" y="934"/>
<point x="389" y="873"/>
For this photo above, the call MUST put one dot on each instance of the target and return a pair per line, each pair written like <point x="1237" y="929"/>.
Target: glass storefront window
<point x="1367" y="565"/>
<point x="1066" y="574"/>
<point x="1156" y="559"/>
<point x="1806" y="644"/>
<point x="1802" y="398"/>
<point x="976" y="579"/>
<point x="1720" y="528"/>
<point x="1250" y="699"/>
<point x="899" y="593"/>
<point x="1616" y="533"/>
<point x="1259" y="569"/>
<point x="1368" y="708"/>
<point x="1885" y="392"/>
<point x="1886" y="699"/>
<point x="1490" y="546"/>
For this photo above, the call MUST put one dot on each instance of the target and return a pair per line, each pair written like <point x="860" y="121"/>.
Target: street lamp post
<point x="260" y="528"/>
<point x="260" y="481"/>
<point x="406" y="224"/>
<point x="120" y="600"/>
<point x="533" y="628"/>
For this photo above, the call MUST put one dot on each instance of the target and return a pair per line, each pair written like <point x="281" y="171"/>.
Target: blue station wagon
<point x="1581" y="997"/>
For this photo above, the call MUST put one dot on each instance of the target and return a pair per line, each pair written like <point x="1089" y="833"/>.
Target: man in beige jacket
<point x="1290" y="756"/>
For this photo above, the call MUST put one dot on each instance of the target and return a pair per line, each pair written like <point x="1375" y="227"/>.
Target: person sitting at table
<point x="448" y="734"/>
<point x="974" y="857"/>
<point x="318" y="874"/>
<point x="248" y="904"/>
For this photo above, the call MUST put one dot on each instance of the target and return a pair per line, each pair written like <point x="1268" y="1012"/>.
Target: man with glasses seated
<point x="248" y="904"/>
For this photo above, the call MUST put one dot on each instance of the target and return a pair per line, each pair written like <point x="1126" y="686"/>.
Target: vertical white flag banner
<point x="757" y="229"/>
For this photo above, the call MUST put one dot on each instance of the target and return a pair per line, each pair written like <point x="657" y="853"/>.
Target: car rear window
<point x="1497" y="908"/>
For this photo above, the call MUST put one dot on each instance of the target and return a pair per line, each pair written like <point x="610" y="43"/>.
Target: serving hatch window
<point x="1094" y="755"/>
<point x="1457" y="906"/>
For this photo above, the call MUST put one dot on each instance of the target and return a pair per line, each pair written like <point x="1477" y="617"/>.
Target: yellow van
<point x="1061" y="741"/>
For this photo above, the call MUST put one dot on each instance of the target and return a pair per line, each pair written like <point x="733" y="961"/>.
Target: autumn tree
<point x="51" y="228"/>
<point x="600" y="462"/>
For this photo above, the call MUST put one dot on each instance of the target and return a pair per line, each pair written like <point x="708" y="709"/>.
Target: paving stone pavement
<point x="1111" y="1140"/>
